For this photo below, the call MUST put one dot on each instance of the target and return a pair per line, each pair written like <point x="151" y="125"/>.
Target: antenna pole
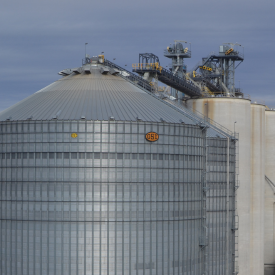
<point x="85" y="50"/>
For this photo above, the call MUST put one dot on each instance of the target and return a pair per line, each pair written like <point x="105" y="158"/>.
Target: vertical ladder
<point x="236" y="217"/>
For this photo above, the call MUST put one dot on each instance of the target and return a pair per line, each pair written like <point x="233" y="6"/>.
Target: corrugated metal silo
<point x="221" y="205"/>
<point x="83" y="191"/>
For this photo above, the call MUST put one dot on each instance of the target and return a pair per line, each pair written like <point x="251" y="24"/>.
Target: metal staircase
<point x="203" y="62"/>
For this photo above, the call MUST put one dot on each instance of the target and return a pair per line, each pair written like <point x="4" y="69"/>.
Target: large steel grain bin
<point x="84" y="190"/>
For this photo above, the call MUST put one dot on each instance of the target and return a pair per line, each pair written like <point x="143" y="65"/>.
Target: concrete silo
<point x="220" y="189"/>
<point x="84" y="192"/>
<point x="257" y="188"/>
<point x="235" y="115"/>
<point x="269" y="225"/>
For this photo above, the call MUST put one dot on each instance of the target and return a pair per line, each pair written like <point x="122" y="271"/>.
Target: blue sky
<point x="40" y="38"/>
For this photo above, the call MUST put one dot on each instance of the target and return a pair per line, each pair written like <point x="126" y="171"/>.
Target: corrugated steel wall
<point x="106" y="202"/>
<point x="219" y="221"/>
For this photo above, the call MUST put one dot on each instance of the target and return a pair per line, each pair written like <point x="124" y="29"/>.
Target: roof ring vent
<point x="57" y="114"/>
<point x="114" y="71"/>
<point x="104" y="70"/>
<point x="65" y="72"/>
<point x="139" y="119"/>
<point x="181" y="121"/>
<point x="9" y="118"/>
<point x="78" y="70"/>
<point x="162" y="120"/>
<point x="87" y="69"/>
<point x="29" y="118"/>
<point x="112" y="118"/>
<point x="83" y="117"/>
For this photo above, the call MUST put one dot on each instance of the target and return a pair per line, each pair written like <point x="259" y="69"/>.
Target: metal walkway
<point x="167" y="77"/>
<point x="137" y="80"/>
<point x="163" y="75"/>
<point x="219" y="66"/>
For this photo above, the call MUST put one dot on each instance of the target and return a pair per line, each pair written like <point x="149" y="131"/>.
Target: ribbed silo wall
<point x="269" y="224"/>
<point x="227" y="111"/>
<point x="220" y="205"/>
<point x="105" y="202"/>
<point x="257" y="188"/>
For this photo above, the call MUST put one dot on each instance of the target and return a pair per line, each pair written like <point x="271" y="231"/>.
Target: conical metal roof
<point x="93" y="96"/>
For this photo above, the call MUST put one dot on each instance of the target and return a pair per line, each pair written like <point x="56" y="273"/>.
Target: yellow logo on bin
<point x="74" y="135"/>
<point x="152" y="136"/>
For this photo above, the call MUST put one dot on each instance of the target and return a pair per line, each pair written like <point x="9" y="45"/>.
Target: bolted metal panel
<point x="90" y="197"/>
<point x="220" y="218"/>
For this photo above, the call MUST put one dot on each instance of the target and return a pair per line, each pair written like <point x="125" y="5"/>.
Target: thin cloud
<point x="41" y="38"/>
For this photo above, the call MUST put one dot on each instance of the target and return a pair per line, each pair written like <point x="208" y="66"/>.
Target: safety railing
<point x="182" y="84"/>
<point x="233" y="53"/>
<point x="258" y="101"/>
<point x="269" y="108"/>
<point x="245" y="96"/>
<point x="186" y="53"/>
<point x="197" y="115"/>
<point x="147" y="66"/>
<point x="223" y="94"/>
<point x="140" y="82"/>
<point x="135" y="79"/>
<point x="207" y="92"/>
<point x="180" y="81"/>
<point x="204" y="61"/>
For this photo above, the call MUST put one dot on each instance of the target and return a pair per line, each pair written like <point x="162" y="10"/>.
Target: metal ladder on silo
<point x="236" y="252"/>
<point x="236" y="216"/>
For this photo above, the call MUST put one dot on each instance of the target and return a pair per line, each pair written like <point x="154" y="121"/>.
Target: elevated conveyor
<point x="217" y="70"/>
<point x="164" y="76"/>
<point x="137" y="80"/>
<point x="167" y="77"/>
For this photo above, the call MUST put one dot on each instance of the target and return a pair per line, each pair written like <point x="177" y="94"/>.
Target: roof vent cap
<point x="104" y="70"/>
<point x="114" y="71"/>
<point x="87" y="69"/>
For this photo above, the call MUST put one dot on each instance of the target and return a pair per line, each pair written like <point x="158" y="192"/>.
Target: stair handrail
<point x="272" y="185"/>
